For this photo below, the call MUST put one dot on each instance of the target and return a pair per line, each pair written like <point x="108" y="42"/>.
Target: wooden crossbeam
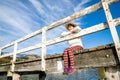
<point x="83" y="32"/>
<point x="76" y="15"/>
<point x="111" y="26"/>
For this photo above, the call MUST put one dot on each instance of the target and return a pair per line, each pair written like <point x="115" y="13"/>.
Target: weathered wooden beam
<point x="112" y="27"/>
<point x="0" y="51"/>
<point x="23" y="38"/>
<point x="102" y="56"/>
<point x="83" y="32"/>
<point x="76" y="15"/>
<point x="81" y="13"/>
<point x="14" y="56"/>
<point x="37" y="46"/>
<point x="5" y="60"/>
<point x="43" y="55"/>
<point x="6" y="55"/>
<point x="16" y="76"/>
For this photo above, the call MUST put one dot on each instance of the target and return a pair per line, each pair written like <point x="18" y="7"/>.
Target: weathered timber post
<point x="43" y="55"/>
<point x="112" y="26"/>
<point x="16" y="76"/>
<point x="0" y="52"/>
<point x="112" y="73"/>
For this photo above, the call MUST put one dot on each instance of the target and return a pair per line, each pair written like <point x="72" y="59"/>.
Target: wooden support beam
<point x="80" y="13"/>
<point x="16" y="76"/>
<point x="5" y="60"/>
<point x="83" y="32"/>
<point x="103" y="56"/>
<point x="111" y="26"/>
<point x="23" y="38"/>
<point x="14" y="57"/>
<point x="0" y="52"/>
<point x="43" y="55"/>
<point x="76" y="15"/>
<point x="112" y="73"/>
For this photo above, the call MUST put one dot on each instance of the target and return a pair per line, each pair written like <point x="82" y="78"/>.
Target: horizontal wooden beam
<point x="76" y="15"/>
<point x="83" y="32"/>
<point x="80" y="13"/>
<point x="102" y="56"/>
<point x="23" y="38"/>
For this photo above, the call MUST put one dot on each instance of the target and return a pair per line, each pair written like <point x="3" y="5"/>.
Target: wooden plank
<point x="76" y="15"/>
<point x="16" y="76"/>
<point x="37" y="46"/>
<point x="116" y="21"/>
<point x="23" y="38"/>
<point x="111" y="26"/>
<point x="14" y="57"/>
<point x="43" y="55"/>
<point x="15" y="51"/>
<point x="81" y="13"/>
<point x="83" y="32"/>
<point x="101" y="57"/>
<point x="6" y="55"/>
<point x="0" y="51"/>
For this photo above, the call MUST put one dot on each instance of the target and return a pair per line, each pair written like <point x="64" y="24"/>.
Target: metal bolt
<point x="107" y="55"/>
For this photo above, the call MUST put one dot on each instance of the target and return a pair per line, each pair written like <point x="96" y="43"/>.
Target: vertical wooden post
<point x="14" y="56"/>
<point x="0" y="51"/>
<point x="43" y="65"/>
<point x="112" y="27"/>
<point x="13" y="63"/>
<point x="112" y="73"/>
<point x="16" y="76"/>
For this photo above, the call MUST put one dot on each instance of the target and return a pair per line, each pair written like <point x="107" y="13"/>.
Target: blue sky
<point x="21" y="17"/>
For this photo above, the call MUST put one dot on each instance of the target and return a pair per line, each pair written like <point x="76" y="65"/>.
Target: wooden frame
<point x="45" y="43"/>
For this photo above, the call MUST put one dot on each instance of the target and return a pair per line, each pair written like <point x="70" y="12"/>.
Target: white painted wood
<point x="39" y="45"/>
<point x="14" y="56"/>
<point x="112" y="26"/>
<point x="76" y="15"/>
<point x="60" y="66"/>
<point x="43" y="55"/>
<point x="62" y="21"/>
<point x="15" y="51"/>
<point x="8" y="45"/>
<point x="0" y="52"/>
<point x="83" y="32"/>
<point x="6" y="55"/>
<point x="23" y="38"/>
<point x="80" y="13"/>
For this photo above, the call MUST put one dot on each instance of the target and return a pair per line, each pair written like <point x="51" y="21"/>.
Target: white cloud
<point x="81" y="5"/>
<point x="15" y="20"/>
